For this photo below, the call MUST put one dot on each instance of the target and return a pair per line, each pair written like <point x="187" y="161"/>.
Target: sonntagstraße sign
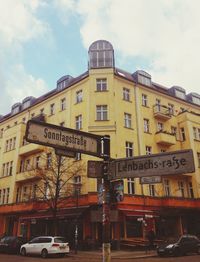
<point x="63" y="138"/>
<point x="168" y="163"/>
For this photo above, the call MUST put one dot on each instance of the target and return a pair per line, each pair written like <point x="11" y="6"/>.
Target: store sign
<point x="168" y="163"/>
<point x="150" y="179"/>
<point x="63" y="138"/>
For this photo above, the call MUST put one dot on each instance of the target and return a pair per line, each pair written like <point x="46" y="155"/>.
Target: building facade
<point x="141" y="117"/>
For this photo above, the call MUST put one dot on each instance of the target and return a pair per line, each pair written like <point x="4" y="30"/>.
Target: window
<point x="42" y="111"/>
<point x="174" y="131"/>
<point x="146" y="125"/>
<point x="52" y="109"/>
<point x="198" y="157"/>
<point x="101" y="84"/>
<point x="7" y="145"/>
<point x="148" y="150"/>
<point x="3" y="170"/>
<point x="179" y="94"/>
<point x="78" y="156"/>
<point x="11" y="168"/>
<point x="144" y="100"/>
<point x="191" y="192"/>
<point x="22" y="166"/>
<point x="49" y="160"/>
<point x="198" y="137"/>
<point x="171" y="108"/>
<point x="78" y="122"/>
<point x="37" y="162"/>
<point x="77" y="185"/>
<point x="181" y="189"/>
<point x="131" y="185"/>
<point x="79" y="96"/>
<point x="182" y="133"/>
<point x="196" y="100"/>
<point x="4" y="196"/>
<point x="27" y="165"/>
<point x="159" y="126"/>
<point x="126" y="94"/>
<point x="101" y="112"/>
<point x="14" y="142"/>
<point x="158" y="105"/>
<point x="63" y="104"/>
<point x="127" y="120"/>
<point x="18" y="195"/>
<point x="46" y="190"/>
<point x="144" y="80"/>
<point x="7" y="195"/>
<point x="166" y="187"/>
<point x="195" y="132"/>
<point x="152" y="191"/>
<point x="129" y="149"/>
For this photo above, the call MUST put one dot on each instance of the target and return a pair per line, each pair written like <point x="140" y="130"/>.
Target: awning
<point x="64" y="213"/>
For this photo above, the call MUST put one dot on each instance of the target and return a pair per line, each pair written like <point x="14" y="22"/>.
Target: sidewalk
<point x="122" y="254"/>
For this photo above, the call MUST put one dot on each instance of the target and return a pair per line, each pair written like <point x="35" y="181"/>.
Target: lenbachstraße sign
<point x="168" y="163"/>
<point x="63" y="138"/>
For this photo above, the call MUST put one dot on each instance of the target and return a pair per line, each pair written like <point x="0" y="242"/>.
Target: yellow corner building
<point x="142" y="118"/>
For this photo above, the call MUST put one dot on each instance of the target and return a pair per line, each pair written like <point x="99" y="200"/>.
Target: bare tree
<point x="56" y="174"/>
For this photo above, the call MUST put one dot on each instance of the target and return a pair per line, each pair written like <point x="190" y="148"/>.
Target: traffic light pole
<point x="106" y="246"/>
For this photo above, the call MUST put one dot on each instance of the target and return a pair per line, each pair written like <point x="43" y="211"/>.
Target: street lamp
<point x="77" y="188"/>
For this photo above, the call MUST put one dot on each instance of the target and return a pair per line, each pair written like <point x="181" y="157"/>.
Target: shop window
<point x="133" y="227"/>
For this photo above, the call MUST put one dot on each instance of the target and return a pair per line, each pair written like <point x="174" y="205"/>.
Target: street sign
<point x="94" y="169"/>
<point x="63" y="138"/>
<point x="61" y="152"/>
<point x="150" y="179"/>
<point x="168" y="163"/>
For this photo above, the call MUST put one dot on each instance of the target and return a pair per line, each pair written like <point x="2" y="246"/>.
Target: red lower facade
<point x="130" y="219"/>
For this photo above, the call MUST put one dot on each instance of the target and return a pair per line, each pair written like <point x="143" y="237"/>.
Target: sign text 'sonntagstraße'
<point x="63" y="138"/>
<point x="169" y="163"/>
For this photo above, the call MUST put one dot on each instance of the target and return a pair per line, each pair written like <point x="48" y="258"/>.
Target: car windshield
<point x="60" y="240"/>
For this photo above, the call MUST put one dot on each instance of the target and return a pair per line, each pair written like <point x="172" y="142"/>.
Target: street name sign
<point x="168" y="163"/>
<point x="150" y="179"/>
<point x="63" y="138"/>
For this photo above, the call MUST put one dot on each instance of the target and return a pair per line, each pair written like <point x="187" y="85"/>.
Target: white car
<point x="45" y="245"/>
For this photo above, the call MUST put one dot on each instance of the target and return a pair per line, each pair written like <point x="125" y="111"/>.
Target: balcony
<point x="27" y="176"/>
<point x="29" y="149"/>
<point x="165" y="139"/>
<point x="161" y="112"/>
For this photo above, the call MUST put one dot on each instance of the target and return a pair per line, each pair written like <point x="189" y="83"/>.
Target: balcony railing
<point x="165" y="138"/>
<point x="162" y="112"/>
<point x="29" y="148"/>
<point x="25" y="176"/>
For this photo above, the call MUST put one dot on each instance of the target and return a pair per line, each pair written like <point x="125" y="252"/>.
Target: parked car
<point x="11" y="244"/>
<point x="45" y="246"/>
<point x="185" y="244"/>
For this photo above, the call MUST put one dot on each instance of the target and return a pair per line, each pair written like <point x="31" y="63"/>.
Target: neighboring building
<point x="141" y="117"/>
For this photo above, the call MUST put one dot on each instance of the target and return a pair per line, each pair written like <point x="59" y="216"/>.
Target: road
<point x="86" y="258"/>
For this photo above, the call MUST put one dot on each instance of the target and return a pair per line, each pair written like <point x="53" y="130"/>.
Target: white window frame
<point x="101" y="84"/>
<point x="127" y="120"/>
<point x="148" y="150"/>
<point x="52" y="109"/>
<point x="126" y="94"/>
<point x="144" y="100"/>
<point x="167" y="189"/>
<point x="131" y="186"/>
<point x="101" y="112"/>
<point x="63" y="104"/>
<point x="78" y="123"/>
<point x="146" y="125"/>
<point x="152" y="191"/>
<point x="79" y="96"/>
<point x="129" y="149"/>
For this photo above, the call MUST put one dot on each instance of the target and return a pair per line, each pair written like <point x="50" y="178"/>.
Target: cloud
<point x="20" y="84"/>
<point x="19" y="24"/>
<point x="163" y="34"/>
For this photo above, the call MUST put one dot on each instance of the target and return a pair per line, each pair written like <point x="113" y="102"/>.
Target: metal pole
<point x="76" y="226"/>
<point x="106" y="246"/>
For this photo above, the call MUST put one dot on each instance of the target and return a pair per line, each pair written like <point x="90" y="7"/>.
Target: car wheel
<point x="44" y="253"/>
<point x="23" y="252"/>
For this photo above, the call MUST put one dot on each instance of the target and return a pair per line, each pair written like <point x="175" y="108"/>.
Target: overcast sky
<point x="42" y="40"/>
